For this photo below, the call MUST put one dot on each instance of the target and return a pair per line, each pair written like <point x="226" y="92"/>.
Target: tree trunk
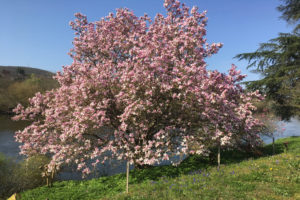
<point x="127" y="176"/>
<point x="273" y="144"/>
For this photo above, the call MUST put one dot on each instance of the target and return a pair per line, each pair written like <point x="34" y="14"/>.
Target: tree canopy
<point x="278" y="61"/>
<point x="291" y="12"/>
<point x="138" y="90"/>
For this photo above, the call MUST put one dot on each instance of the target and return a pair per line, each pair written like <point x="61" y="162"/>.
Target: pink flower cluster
<point x="138" y="90"/>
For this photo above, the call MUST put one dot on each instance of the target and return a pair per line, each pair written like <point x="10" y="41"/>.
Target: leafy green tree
<point x="291" y="12"/>
<point x="278" y="61"/>
<point x="21" y="72"/>
<point x="14" y="92"/>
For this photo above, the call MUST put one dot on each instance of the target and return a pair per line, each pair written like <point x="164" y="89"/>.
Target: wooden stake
<point x="127" y="176"/>
<point x="273" y="144"/>
<point x="219" y="156"/>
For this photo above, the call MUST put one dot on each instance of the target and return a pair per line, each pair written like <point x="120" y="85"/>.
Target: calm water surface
<point x="9" y="147"/>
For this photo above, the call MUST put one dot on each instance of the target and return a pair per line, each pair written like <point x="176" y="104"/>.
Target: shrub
<point x="19" y="176"/>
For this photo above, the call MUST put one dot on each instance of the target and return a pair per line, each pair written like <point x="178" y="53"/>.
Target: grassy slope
<point x="10" y="75"/>
<point x="241" y="177"/>
<point x="14" y="90"/>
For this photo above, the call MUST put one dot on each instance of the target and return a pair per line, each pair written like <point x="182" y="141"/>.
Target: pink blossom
<point x="138" y="88"/>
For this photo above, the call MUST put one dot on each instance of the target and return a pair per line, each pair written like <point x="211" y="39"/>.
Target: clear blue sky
<point x="36" y="33"/>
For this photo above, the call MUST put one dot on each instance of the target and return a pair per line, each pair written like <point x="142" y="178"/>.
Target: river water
<point x="9" y="147"/>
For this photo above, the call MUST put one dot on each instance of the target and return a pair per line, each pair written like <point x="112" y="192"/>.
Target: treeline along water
<point x="9" y="147"/>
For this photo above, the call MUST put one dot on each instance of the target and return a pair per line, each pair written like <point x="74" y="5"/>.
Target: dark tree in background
<point x="20" y="71"/>
<point x="291" y="12"/>
<point x="278" y="61"/>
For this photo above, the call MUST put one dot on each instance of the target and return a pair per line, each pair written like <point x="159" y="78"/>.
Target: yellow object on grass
<point x="15" y="196"/>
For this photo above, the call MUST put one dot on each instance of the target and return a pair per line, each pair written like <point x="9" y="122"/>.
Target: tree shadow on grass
<point x="188" y="165"/>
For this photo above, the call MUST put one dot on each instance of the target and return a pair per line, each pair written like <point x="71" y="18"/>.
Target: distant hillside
<point x="17" y="84"/>
<point x="16" y="72"/>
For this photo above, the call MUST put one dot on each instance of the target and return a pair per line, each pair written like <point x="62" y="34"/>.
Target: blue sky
<point x="36" y="33"/>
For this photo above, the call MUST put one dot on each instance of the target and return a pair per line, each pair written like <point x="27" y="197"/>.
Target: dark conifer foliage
<point x="278" y="61"/>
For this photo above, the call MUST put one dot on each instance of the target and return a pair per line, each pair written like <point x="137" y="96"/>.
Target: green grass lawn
<point x="242" y="176"/>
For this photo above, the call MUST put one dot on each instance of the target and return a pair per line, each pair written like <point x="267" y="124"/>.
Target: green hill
<point x="17" y="84"/>
<point x="242" y="176"/>
<point x="16" y="72"/>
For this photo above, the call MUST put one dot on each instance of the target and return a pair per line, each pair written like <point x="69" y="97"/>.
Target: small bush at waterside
<point x="242" y="177"/>
<point x="17" y="177"/>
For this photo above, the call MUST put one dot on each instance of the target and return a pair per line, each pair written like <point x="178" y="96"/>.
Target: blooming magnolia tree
<point x="138" y="90"/>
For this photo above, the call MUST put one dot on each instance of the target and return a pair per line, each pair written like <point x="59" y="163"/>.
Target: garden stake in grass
<point x="273" y="144"/>
<point x="286" y="146"/>
<point x="219" y="155"/>
<point x="127" y="177"/>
